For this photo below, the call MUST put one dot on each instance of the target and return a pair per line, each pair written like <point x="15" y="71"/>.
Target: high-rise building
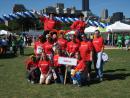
<point x="104" y="14"/>
<point x="85" y="5"/>
<point x="59" y="5"/>
<point x="117" y="16"/>
<point x="50" y="9"/>
<point x="19" y="8"/>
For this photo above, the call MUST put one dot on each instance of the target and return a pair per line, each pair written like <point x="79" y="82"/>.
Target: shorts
<point x="44" y="79"/>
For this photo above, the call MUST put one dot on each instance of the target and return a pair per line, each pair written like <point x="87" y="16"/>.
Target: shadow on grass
<point x="110" y="75"/>
<point x="29" y="54"/>
<point x="107" y="71"/>
<point x="1" y="65"/>
<point x="116" y="76"/>
<point x="7" y="56"/>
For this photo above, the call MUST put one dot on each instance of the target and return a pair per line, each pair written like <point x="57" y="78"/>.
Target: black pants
<point x="34" y="75"/>
<point x="89" y="63"/>
<point x="21" y="50"/>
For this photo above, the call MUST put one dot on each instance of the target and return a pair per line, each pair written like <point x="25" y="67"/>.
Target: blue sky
<point x="96" y="6"/>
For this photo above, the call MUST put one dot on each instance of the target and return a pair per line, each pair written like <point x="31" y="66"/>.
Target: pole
<point x="65" y="75"/>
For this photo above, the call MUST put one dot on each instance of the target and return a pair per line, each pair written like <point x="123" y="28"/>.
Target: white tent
<point x="4" y="32"/>
<point x="90" y="30"/>
<point x="118" y="27"/>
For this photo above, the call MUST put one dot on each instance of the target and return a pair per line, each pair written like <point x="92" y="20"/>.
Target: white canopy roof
<point x="90" y="29"/>
<point x="4" y="32"/>
<point x="118" y="27"/>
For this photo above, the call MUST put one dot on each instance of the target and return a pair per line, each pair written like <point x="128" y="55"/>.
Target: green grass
<point x="116" y="84"/>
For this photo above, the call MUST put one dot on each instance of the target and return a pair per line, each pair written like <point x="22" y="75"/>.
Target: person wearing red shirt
<point x="79" y="26"/>
<point x="62" y="42"/>
<point x="49" y="23"/>
<point x="98" y="44"/>
<point x="38" y="47"/>
<point x="72" y="46"/>
<point x="59" y="69"/>
<point x="45" y="68"/>
<point x="77" y="74"/>
<point x="85" y="50"/>
<point x="47" y="46"/>
<point x="33" y="72"/>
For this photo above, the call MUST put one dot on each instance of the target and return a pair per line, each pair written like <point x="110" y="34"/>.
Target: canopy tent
<point x="90" y="30"/>
<point x="4" y="32"/>
<point x="118" y="27"/>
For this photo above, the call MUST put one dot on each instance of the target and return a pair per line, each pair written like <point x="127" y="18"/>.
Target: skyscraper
<point x="85" y="5"/>
<point x="104" y="14"/>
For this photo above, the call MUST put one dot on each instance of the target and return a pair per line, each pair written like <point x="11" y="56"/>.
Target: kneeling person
<point x="45" y="68"/>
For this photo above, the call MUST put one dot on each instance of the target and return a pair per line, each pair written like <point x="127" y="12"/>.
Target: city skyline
<point x="95" y="6"/>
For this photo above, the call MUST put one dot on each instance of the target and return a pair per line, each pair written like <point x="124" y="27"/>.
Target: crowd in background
<point x="10" y="44"/>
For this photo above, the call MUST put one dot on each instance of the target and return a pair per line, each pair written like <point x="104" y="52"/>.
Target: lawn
<point x="116" y="84"/>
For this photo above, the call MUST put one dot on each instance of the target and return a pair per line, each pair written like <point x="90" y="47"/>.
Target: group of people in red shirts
<point x="43" y="67"/>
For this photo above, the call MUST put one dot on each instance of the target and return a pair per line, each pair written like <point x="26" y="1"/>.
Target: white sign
<point x="67" y="61"/>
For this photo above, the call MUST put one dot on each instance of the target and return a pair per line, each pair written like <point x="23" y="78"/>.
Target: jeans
<point x="78" y="77"/>
<point x="99" y="65"/>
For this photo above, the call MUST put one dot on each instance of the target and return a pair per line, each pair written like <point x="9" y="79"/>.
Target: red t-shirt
<point x="85" y="50"/>
<point x="38" y="47"/>
<point x="48" y="47"/>
<point x="81" y="66"/>
<point x="49" y="24"/>
<point x="55" y="59"/>
<point x="62" y="42"/>
<point x="78" y="25"/>
<point x="72" y="47"/>
<point x="44" y="66"/>
<point x="98" y="43"/>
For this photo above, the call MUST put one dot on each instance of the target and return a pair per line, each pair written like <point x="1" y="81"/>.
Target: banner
<point x="67" y="61"/>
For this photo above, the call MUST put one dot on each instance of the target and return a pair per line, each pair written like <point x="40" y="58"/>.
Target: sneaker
<point x="28" y="80"/>
<point x="32" y="82"/>
<point x="74" y="82"/>
<point x="79" y="85"/>
<point x="101" y="79"/>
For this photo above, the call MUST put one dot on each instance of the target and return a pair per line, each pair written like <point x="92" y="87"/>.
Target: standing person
<point x="119" y="41"/>
<point x="38" y="47"/>
<point x="45" y="68"/>
<point x="79" y="26"/>
<point x="21" y="45"/>
<point x="115" y="39"/>
<point x="72" y="46"/>
<point x="127" y="41"/>
<point x="85" y="50"/>
<point x="14" y="45"/>
<point x="49" y="23"/>
<point x="60" y="69"/>
<point x="98" y="44"/>
<point x="47" y="46"/>
<point x="62" y="42"/>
